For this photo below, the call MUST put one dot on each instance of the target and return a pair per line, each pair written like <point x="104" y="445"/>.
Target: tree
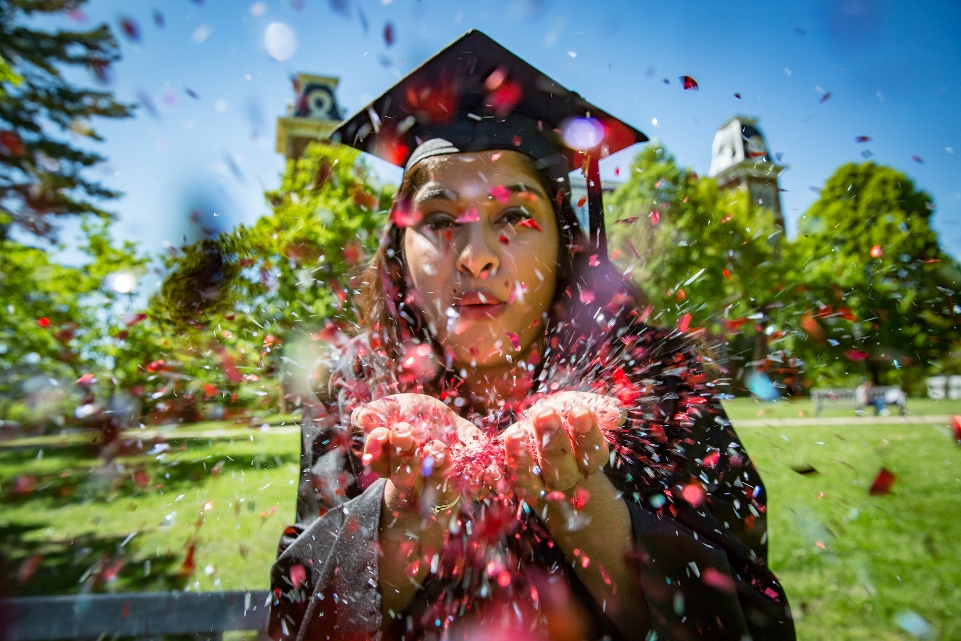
<point x="880" y="297"/>
<point x="702" y="256"/>
<point x="42" y="174"/>
<point x="241" y="301"/>
<point x="58" y="320"/>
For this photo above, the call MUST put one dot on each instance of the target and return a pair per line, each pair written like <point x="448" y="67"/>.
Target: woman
<point x="546" y="465"/>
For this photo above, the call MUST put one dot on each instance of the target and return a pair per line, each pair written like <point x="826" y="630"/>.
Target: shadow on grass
<point x="74" y="473"/>
<point x="34" y="566"/>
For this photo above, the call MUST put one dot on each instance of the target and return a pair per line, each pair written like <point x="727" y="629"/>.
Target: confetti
<point x="158" y="19"/>
<point x="738" y="96"/>
<point x="515" y="341"/>
<point x="530" y="223"/>
<point x="876" y="251"/>
<point x="882" y="482"/>
<point x="688" y="83"/>
<point x="130" y="29"/>
<point x="389" y="34"/>
<point x="43" y="322"/>
<point x="863" y="139"/>
<point x="825" y="97"/>
<point x="501" y="194"/>
<point x="469" y="216"/>
<point x="917" y="159"/>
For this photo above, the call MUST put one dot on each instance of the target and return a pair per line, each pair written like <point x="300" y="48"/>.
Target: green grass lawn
<point x="851" y="563"/>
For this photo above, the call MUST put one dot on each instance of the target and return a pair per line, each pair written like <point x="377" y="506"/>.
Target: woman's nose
<point x="477" y="258"/>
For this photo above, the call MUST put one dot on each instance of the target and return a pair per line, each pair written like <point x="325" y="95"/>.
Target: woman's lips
<point x="478" y="305"/>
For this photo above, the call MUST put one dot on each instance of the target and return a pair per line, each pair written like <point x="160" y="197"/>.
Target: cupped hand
<point x="412" y="439"/>
<point x="560" y="443"/>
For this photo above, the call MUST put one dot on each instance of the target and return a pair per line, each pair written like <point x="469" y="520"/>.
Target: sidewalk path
<point x="929" y="419"/>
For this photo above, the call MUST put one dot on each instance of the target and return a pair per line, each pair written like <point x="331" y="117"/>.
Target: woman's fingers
<point x="377" y="451"/>
<point x="520" y="464"/>
<point x="590" y="447"/>
<point x="439" y="488"/>
<point x="405" y="463"/>
<point x="559" y="468"/>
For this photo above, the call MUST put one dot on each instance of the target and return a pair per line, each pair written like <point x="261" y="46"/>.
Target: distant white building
<point x="740" y="160"/>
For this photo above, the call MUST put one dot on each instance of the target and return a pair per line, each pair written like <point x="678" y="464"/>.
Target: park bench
<point x="847" y="398"/>
<point x="142" y="615"/>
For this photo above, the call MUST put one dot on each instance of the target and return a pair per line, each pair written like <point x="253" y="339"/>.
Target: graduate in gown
<point x="508" y="450"/>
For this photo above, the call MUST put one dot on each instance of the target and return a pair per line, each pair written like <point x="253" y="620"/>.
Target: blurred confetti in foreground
<point x="914" y="624"/>
<point x="280" y="40"/>
<point x="882" y="482"/>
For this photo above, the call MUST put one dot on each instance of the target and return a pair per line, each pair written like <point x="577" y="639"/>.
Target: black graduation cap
<point x="476" y="95"/>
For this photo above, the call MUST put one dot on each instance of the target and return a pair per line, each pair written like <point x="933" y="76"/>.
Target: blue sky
<point x="893" y="70"/>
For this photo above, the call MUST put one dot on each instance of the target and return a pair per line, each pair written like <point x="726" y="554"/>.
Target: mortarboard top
<point x="475" y="95"/>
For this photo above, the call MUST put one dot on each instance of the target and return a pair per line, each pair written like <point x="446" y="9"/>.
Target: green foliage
<point x="881" y="295"/>
<point x="7" y="75"/>
<point x="248" y="305"/>
<point x="694" y="248"/>
<point x="41" y="174"/>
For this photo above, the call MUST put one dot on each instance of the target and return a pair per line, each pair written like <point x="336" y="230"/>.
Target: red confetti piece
<point x="825" y="96"/>
<point x="617" y="171"/>
<point x="917" y="159"/>
<point x="10" y="143"/>
<point x="43" y="322"/>
<point x="655" y="217"/>
<point x="580" y="498"/>
<point x="629" y="220"/>
<point x="28" y="568"/>
<point x="581" y="201"/>
<point x="530" y="223"/>
<point x="956" y="422"/>
<point x="593" y="261"/>
<point x="126" y="610"/>
<point x="882" y="482"/>
<point x="130" y="29"/>
<point x="505" y="98"/>
<point x="738" y="96"/>
<point x="517" y="140"/>
<point x="711" y="459"/>
<point x="684" y="323"/>
<point x="693" y="494"/>
<point x="863" y="139"/>
<point x="515" y="341"/>
<point x="504" y="239"/>
<point x="189" y="564"/>
<point x="856" y="355"/>
<point x="726" y="273"/>
<point x="587" y="296"/>
<point x="688" y="83"/>
<point x="389" y="34"/>
<point x="876" y="251"/>
<point x="86" y="379"/>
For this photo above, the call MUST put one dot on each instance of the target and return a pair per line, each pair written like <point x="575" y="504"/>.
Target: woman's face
<point x="482" y="255"/>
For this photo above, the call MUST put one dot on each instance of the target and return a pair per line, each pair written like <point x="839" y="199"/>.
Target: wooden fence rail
<point x="205" y="615"/>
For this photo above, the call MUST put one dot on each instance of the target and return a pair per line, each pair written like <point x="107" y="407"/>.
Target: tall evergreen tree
<point x="41" y="170"/>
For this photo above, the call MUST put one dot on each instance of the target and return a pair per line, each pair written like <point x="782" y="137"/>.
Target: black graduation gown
<point x="696" y="502"/>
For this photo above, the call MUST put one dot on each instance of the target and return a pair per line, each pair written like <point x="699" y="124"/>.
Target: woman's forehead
<point x="474" y="174"/>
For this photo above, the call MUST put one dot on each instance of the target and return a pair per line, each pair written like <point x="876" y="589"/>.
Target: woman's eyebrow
<point x="432" y="193"/>
<point x="521" y="188"/>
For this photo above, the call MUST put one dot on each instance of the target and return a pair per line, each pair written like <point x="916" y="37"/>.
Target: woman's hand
<point x="561" y="444"/>
<point x="553" y="461"/>
<point x="410" y="440"/>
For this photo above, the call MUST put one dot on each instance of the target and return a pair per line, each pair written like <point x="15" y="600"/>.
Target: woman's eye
<point x="515" y="216"/>
<point x="440" y="223"/>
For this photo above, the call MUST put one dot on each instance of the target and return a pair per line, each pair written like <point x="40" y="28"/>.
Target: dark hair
<point x="387" y="308"/>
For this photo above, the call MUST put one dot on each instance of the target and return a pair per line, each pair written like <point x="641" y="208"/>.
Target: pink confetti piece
<point x="655" y="217"/>
<point x="469" y="216"/>
<point x="684" y="323"/>
<point x="515" y="341"/>
<point x="593" y="261"/>
<point x="501" y="193"/>
<point x="693" y="494"/>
